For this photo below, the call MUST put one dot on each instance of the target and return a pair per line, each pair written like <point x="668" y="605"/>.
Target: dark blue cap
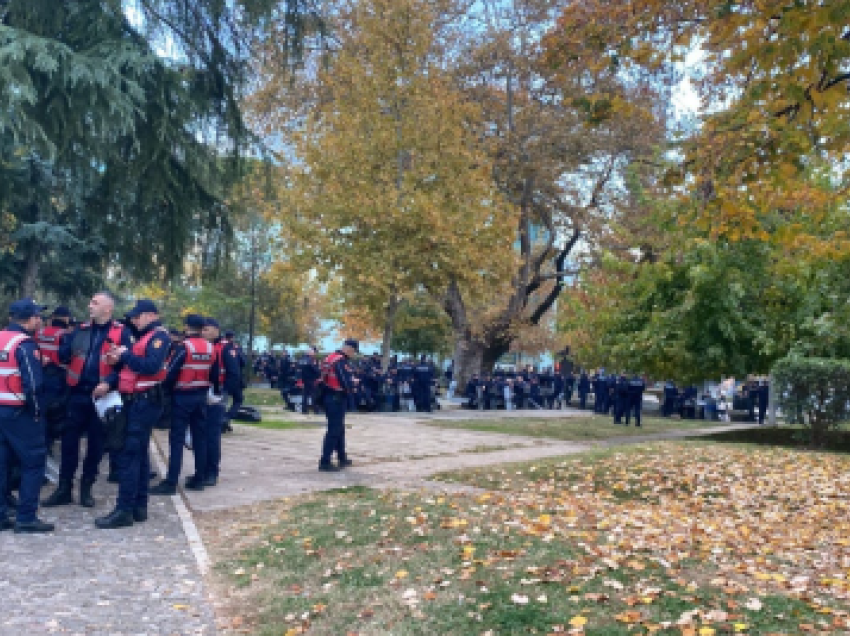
<point x="194" y="321"/>
<point x="353" y="344"/>
<point x="211" y="322"/>
<point x="142" y="306"/>
<point x="25" y="308"/>
<point x="61" y="312"/>
<point x="174" y="332"/>
<point x="229" y="334"/>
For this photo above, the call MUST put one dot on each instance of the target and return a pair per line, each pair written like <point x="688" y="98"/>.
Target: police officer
<point x="670" y="397"/>
<point x="583" y="390"/>
<point x="423" y="376"/>
<point x="621" y="399"/>
<point x="55" y="388"/>
<point x="308" y="370"/>
<point x="229" y="378"/>
<point x="337" y="384"/>
<point x="141" y="373"/>
<point x="636" y="387"/>
<point x="237" y="387"/>
<point x="569" y="387"/>
<point x="191" y="372"/>
<point x="88" y="375"/>
<point x="21" y="422"/>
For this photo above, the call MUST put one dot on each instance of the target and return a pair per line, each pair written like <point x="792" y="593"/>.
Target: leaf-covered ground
<point x="675" y="538"/>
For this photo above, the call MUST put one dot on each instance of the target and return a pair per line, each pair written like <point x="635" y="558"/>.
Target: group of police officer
<point x="407" y="384"/>
<point x="527" y="389"/>
<point x="50" y="377"/>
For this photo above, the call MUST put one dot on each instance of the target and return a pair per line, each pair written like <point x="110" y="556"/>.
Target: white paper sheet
<point x="101" y="405"/>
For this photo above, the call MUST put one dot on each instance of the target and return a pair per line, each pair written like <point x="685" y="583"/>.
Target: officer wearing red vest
<point x="338" y="384"/>
<point x="55" y="386"/>
<point x="192" y="372"/>
<point x="140" y="376"/>
<point x="21" y="423"/>
<point x="230" y="379"/>
<point x="83" y="351"/>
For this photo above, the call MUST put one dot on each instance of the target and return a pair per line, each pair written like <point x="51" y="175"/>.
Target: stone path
<point x="84" y="581"/>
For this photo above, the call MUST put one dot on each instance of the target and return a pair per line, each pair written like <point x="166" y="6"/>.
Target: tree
<point x="107" y="141"/>
<point x="773" y="78"/>
<point x="389" y="192"/>
<point x="421" y="328"/>
<point x="563" y="142"/>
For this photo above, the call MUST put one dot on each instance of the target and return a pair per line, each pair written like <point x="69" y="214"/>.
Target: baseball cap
<point x="211" y="322"/>
<point x="61" y="312"/>
<point x="353" y="344"/>
<point x="194" y="321"/>
<point x="25" y="308"/>
<point x="142" y="306"/>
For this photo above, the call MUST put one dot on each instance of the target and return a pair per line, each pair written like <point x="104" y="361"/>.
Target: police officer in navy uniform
<point x="621" y="398"/>
<point x="337" y="385"/>
<point x="583" y="389"/>
<point x="55" y="387"/>
<point x="142" y="369"/>
<point x="21" y="422"/>
<point x="230" y="380"/>
<point x="637" y="385"/>
<point x="192" y="370"/>
<point x="423" y="376"/>
<point x="83" y="351"/>
<point x="237" y="388"/>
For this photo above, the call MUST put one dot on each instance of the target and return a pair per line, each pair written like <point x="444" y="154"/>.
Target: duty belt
<point x="154" y="393"/>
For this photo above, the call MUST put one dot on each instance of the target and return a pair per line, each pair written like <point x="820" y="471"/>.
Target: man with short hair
<point x="21" y="418"/>
<point x="88" y="375"/>
<point x="338" y="385"/>
<point x="142" y="371"/>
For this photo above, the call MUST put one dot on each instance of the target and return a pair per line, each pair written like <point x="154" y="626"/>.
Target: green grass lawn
<point x="580" y="428"/>
<point x="262" y="397"/>
<point x="694" y="538"/>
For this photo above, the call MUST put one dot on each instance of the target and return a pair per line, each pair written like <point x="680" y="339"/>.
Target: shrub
<point x="814" y="392"/>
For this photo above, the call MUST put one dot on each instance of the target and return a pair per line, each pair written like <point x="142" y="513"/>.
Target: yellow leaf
<point x="401" y="574"/>
<point x="706" y="631"/>
<point x="578" y="621"/>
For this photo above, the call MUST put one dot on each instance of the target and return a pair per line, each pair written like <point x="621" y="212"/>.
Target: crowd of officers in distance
<point x="407" y="385"/>
<point x="618" y="395"/>
<point x="528" y="389"/>
<point x="51" y="371"/>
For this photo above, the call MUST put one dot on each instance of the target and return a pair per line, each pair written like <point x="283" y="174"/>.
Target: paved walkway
<point x="84" y="581"/>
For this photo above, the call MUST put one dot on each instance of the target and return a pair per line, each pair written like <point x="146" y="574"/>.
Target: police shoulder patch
<point x="157" y="344"/>
<point x="233" y="353"/>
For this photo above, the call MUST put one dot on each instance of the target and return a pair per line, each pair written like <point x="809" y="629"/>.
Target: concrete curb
<point x="196" y="544"/>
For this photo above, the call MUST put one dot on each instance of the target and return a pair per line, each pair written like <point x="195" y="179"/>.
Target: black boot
<point x="115" y="519"/>
<point x="32" y="527"/>
<point x="62" y="496"/>
<point x="113" y="477"/>
<point x="140" y="514"/>
<point x="11" y="501"/>
<point x="86" y="498"/>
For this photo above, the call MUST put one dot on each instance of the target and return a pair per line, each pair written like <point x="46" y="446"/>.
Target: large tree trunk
<point x="468" y="357"/>
<point x="30" y="277"/>
<point x="389" y="328"/>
